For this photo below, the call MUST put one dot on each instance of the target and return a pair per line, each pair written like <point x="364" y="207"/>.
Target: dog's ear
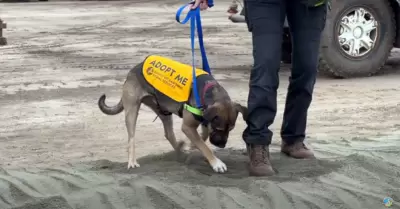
<point x="209" y="113"/>
<point x="243" y="110"/>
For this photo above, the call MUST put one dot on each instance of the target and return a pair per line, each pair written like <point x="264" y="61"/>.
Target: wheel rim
<point x="357" y="32"/>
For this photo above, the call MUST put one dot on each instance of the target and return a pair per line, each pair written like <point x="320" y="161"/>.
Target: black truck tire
<point x="335" y="61"/>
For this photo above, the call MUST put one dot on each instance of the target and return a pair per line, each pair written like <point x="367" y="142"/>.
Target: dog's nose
<point x="221" y="145"/>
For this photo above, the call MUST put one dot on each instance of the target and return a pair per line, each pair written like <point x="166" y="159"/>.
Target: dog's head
<point x="221" y="119"/>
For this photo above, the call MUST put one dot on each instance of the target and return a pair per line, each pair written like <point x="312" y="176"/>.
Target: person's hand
<point x="202" y="3"/>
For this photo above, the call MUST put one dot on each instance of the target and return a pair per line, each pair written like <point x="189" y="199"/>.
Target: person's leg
<point x="265" y="21"/>
<point x="306" y="25"/>
<point x="286" y="56"/>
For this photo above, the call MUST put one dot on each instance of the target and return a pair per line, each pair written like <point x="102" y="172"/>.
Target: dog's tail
<point x="109" y="110"/>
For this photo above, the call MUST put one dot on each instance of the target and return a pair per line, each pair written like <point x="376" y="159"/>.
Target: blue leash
<point x="195" y="20"/>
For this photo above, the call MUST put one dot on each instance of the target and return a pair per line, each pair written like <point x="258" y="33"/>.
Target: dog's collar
<point x="199" y="111"/>
<point x="193" y="110"/>
<point x="207" y="86"/>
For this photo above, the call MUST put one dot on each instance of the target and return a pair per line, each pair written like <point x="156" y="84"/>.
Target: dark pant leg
<point x="265" y="21"/>
<point x="306" y="25"/>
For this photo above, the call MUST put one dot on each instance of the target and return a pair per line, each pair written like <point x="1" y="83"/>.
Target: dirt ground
<point x="57" y="150"/>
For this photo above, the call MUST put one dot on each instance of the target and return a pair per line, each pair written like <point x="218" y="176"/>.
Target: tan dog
<point x="218" y="119"/>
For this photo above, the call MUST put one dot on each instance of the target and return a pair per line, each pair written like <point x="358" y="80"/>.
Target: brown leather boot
<point x="259" y="161"/>
<point x="297" y="150"/>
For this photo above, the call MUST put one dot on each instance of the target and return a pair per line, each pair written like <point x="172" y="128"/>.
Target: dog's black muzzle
<point x="218" y="139"/>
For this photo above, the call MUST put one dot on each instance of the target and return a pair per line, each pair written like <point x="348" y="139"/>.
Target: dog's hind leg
<point x="167" y="124"/>
<point x="131" y="115"/>
<point x="132" y="95"/>
<point x="169" y="132"/>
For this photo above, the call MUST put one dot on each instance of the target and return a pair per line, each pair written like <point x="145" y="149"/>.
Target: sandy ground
<point x="57" y="150"/>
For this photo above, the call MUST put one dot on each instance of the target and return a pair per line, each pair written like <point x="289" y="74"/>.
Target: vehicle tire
<point x="337" y="57"/>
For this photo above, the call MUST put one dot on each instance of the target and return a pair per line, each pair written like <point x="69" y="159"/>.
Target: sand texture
<point x="354" y="181"/>
<point x="58" y="151"/>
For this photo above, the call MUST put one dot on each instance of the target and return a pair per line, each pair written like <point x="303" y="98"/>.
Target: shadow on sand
<point x="193" y="168"/>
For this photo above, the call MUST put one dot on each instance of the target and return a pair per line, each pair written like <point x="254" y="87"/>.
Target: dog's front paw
<point x="133" y="164"/>
<point x="219" y="166"/>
